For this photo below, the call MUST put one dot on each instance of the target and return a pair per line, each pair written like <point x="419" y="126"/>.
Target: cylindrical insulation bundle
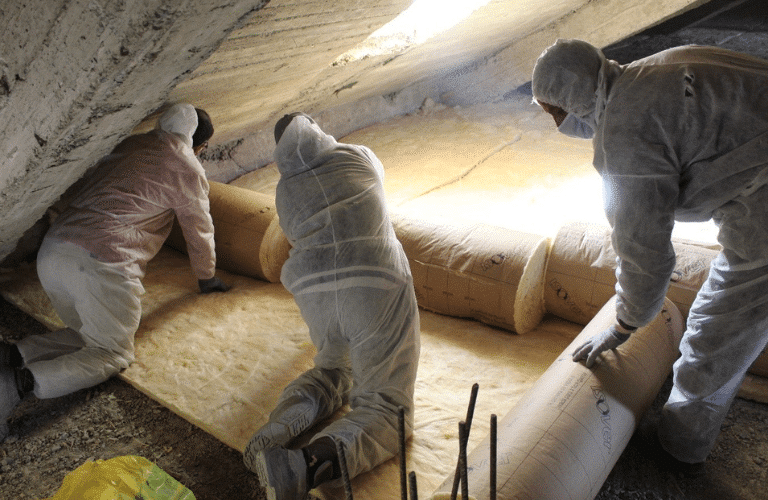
<point x="247" y="232"/>
<point x="580" y="275"/>
<point x="564" y="436"/>
<point x="488" y="273"/>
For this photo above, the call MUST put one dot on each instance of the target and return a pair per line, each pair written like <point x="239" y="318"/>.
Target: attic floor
<point x="51" y="438"/>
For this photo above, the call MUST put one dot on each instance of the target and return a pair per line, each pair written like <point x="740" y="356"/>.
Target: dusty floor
<point x="50" y="438"/>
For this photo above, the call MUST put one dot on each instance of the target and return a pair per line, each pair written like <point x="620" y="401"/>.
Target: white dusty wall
<point x="77" y="76"/>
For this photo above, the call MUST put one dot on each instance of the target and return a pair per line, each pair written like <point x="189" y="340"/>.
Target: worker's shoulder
<point x="157" y="147"/>
<point x="149" y="141"/>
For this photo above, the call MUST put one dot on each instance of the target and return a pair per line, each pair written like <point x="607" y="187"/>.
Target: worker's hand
<point x="607" y="339"/>
<point x="212" y="285"/>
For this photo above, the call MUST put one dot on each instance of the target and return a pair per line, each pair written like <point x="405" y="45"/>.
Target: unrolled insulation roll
<point x="247" y="232"/>
<point x="491" y="274"/>
<point x="564" y="436"/>
<point x="580" y="275"/>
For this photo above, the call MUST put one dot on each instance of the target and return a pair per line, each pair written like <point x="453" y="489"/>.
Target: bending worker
<point x="680" y="135"/>
<point x="351" y="280"/>
<point x="94" y="255"/>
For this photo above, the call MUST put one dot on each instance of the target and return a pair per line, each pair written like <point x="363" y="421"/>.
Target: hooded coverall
<point x="351" y="280"/>
<point x="680" y="135"/>
<point x="94" y="255"/>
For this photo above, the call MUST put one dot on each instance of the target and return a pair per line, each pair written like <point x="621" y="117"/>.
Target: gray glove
<point x="607" y="339"/>
<point x="212" y="285"/>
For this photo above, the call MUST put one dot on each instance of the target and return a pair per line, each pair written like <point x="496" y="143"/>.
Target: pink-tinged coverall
<point x="94" y="255"/>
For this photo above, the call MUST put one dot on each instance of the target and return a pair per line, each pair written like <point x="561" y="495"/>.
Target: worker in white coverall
<point x="680" y="135"/>
<point x="94" y="255"/>
<point x="351" y="280"/>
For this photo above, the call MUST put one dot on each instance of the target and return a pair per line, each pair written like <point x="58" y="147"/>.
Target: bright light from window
<point x="419" y="22"/>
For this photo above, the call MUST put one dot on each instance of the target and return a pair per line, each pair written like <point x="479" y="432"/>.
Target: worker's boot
<point x="290" y="474"/>
<point x="10" y="395"/>
<point x="282" y="473"/>
<point x="15" y="383"/>
<point x="322" y="461"/>
<point x="293" y="416"/>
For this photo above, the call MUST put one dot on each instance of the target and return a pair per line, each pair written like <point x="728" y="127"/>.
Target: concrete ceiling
<point x="76" y="77"/>
<point x="289" y="55"/>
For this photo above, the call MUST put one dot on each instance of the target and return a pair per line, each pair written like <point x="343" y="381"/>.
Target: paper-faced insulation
<point x="564" y="436"/>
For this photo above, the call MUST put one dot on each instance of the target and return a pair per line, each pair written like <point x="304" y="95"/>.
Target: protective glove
<point x="212" y="285"/>
<point x="607" y="339"/>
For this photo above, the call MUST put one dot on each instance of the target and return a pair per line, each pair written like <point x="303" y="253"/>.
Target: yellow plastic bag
<point x="122" y="478"/>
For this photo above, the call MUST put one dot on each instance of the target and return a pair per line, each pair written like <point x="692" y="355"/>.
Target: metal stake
<point x="414" y="492"/>
<point x="493" y="458"/>
<point x="463" y="460"/>
<point x="470" y="414"/>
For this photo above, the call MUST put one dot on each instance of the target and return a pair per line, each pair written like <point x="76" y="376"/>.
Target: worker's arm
<point x="640" y="210"/>
<point x="193" y="215"/>
<point x="642" y="216"/>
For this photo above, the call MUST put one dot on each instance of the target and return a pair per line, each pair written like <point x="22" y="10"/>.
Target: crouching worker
<point x="694" y="151"/>
<point x="94" y="255"/>
<point x="352" y="282"/>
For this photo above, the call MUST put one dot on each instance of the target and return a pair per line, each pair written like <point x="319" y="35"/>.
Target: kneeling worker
<point x="351" y="280"/>
<point x="94" y="255"/>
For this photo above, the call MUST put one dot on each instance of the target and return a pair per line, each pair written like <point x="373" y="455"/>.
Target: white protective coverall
<point x="94" y="255"/>
<point x="351" y="280"/>
<point x="680" y="135"/>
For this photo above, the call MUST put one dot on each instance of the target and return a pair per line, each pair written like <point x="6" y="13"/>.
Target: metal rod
<point x="344" y="471"/>
<point x="493" y="458"/>
<point x="414" y="492"/>
<point x="463" y="460"/>
<point x="470" y="415"/>
<point x="401" y="435"/>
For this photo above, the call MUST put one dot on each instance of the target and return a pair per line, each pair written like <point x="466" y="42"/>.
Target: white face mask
<point x="573" y="126"/>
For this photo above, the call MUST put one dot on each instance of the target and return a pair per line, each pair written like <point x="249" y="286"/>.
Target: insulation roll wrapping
<point x="247" y="232"/>
<point x="564" y="436"/>
<point x="488" y="273"/>
<point x="580" y="275"/>
<point x="579" y="278"/>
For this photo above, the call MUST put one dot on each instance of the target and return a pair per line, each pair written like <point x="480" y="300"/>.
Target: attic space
<point x="500" y="216"/>
<point x="77" y="77"/>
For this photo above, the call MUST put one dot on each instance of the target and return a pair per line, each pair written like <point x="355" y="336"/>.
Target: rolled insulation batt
<point x="488" y="273"/>
<point x="564" y="436"/>
<point x="580" y="274"/>
<point x="754" y="388"/>
<point x="247" y="233"/>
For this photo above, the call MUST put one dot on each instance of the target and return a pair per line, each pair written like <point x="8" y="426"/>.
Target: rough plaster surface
<point x="600" y="22"/>
<point x="77" y="76"/>
<point x="356" y="91"/>
<point x="275" y="59"/>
